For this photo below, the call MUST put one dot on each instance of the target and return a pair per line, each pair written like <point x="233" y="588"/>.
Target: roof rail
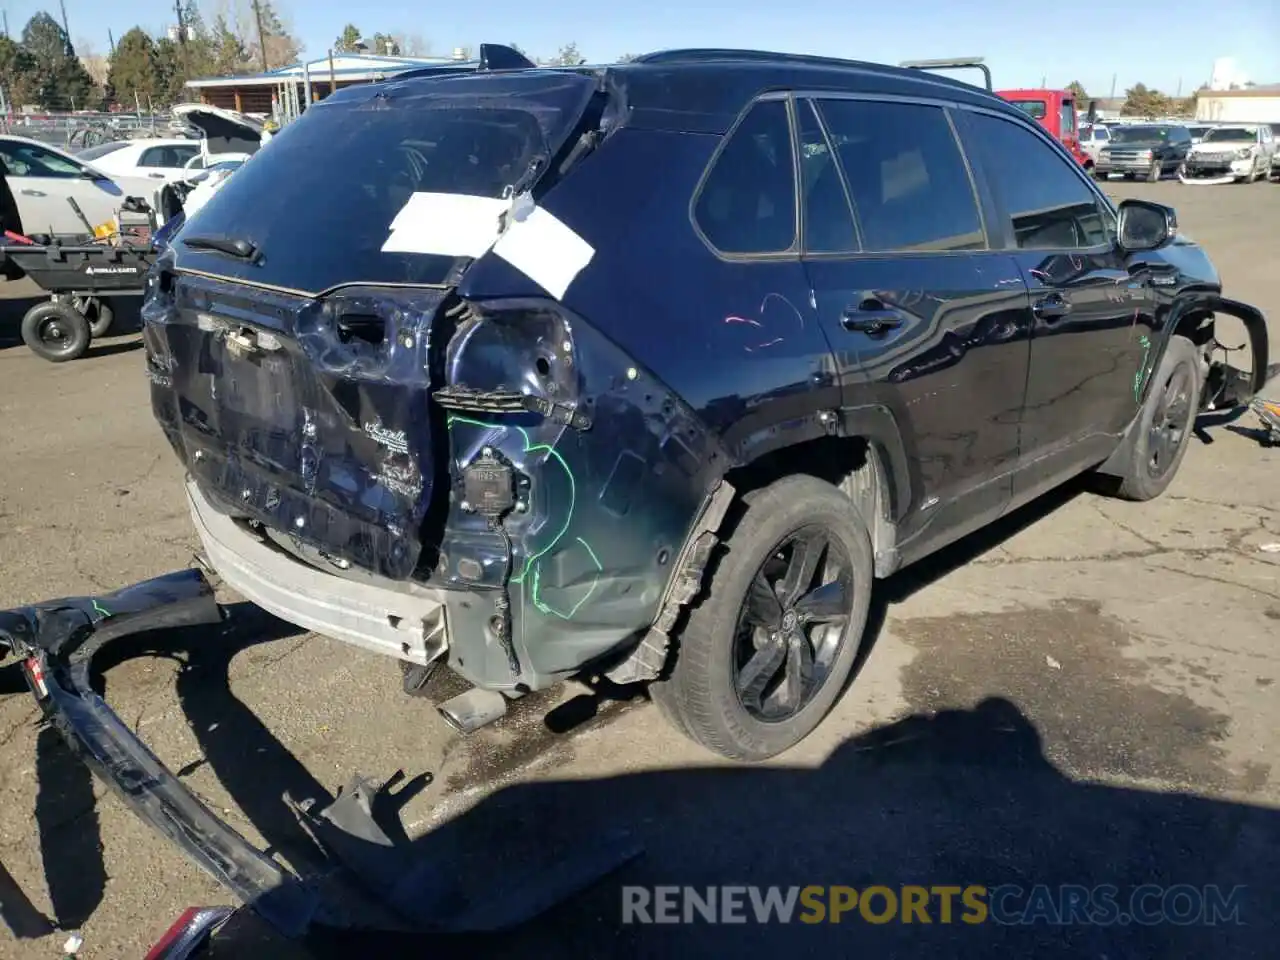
<point x="709" y="54"/>
<point x="953" y="63"/>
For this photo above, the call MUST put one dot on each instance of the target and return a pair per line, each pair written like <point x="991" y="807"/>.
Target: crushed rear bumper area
<point x="407" y="625"/>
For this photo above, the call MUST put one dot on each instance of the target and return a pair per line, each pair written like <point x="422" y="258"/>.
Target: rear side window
<point x="828" y="220"/>
<point x="747" y="204"/>
<point x="1035" y="109"/>
<point x="909" y="184"/>
<point x="159" y="157"/>
<point x="1051" y="206"/>
<point x="102" y="149"/>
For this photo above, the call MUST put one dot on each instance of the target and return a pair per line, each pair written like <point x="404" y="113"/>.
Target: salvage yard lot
<point x="1086" y="694"/>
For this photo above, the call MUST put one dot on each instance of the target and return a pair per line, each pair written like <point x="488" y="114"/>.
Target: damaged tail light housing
<point x="512" y="357"/>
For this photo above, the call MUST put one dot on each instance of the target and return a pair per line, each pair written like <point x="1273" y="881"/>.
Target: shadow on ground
<point x="969" y="789"/>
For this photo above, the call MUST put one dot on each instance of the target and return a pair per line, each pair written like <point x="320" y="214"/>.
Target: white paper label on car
<point x="545" y="250"/>
<point x="538" y="243"/>
<point x="445" y="224"/>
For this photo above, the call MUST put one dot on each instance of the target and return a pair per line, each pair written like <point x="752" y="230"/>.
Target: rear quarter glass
<point x="318" y="201"/>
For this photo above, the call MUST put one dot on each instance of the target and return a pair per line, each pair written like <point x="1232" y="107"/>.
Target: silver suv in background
<point x="1241" y="153"/>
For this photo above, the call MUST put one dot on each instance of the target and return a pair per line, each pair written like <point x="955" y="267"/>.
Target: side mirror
<point x="1144" y="225"/>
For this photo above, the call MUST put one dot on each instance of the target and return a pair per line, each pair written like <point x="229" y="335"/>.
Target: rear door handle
<point x="1053" y="307"/>
<point x="32" y="193"/>
<point x="871" y="317"/>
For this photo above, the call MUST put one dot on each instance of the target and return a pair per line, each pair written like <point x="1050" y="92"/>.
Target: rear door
<point x="43" y="180"/>
<point x="1092" y="305"/>
<point x="925" y="321"/>
<point x="39" y="194"/>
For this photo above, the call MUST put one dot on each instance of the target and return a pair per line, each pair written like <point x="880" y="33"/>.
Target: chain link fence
<point x="77" y="131"/>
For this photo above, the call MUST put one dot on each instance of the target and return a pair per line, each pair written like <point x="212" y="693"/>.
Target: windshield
<point x="1035" y="109"/>
<point x="101" y="150"/>
<point x="1232" y="135"/>
<point x="1139" y="134"/>
<point x="319" y="202"/>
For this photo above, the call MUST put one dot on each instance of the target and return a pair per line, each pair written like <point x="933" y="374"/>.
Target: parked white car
<point x="1236" y="152"/>
<point x="152" y="159"/>
<point x="1093" y="138"/>
<point x="42" y="179"/>
<point x="229" y="140"/>
<point x="225" y="134"/>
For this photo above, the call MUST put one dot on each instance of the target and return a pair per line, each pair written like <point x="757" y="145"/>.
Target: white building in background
<point x="1227" y="75"/>
<point x="1260" y="104"/>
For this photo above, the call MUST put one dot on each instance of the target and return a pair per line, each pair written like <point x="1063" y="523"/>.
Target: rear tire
<point x="56" y="332"/>
<point x="763" y="618"/>
<point x="1165" y="423"/>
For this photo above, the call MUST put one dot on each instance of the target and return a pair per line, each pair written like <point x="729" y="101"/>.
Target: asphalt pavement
<point x="1083" y="695"/>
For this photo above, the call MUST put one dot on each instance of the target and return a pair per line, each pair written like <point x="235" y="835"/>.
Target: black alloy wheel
<point x="1171" y="420"/>
<point x="792" y="625"/>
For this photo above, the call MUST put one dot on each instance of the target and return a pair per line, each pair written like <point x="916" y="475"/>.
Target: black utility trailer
<point x="82" y="280"/>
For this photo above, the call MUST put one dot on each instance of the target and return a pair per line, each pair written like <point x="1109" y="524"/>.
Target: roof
<point x="703" y="91"/>
<point x="347" y="66"/>
<point x="1261" y="90"/>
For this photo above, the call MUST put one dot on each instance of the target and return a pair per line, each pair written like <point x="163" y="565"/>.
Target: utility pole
<point x="1113" y="86"/>
<point x="6" y="23"/>
<point x="1179" y="93"/>
<point x="66" y="29"/>
<point x="111" y="41"/>
<point x="262" y="46"/>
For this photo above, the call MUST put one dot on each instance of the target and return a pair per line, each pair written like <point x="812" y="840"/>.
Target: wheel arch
<point x="1192" y="316"/>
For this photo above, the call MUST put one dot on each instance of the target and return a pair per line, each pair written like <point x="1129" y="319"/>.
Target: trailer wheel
<point x="100" y="316"/>
<point x="56" y="332"/>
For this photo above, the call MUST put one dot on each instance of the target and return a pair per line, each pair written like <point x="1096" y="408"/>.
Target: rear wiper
<point x="232" y="246"/>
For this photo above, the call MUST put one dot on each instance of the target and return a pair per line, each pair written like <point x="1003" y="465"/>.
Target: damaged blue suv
<point x="649" y="371"/>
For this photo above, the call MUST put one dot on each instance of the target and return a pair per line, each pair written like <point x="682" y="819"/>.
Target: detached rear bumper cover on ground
<point x="57" y="641"/>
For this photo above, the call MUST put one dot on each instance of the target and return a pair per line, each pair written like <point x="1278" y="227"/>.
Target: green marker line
<point x="1140" y="377"/>
<point x="99" y="608"/>
<point x="532" y="563"/>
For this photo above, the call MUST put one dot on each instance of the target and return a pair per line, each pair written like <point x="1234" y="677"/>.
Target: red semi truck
<point x="1055" y="110"/>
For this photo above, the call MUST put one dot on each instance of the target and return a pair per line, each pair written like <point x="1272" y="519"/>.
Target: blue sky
<point x="1023" y="42"/>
